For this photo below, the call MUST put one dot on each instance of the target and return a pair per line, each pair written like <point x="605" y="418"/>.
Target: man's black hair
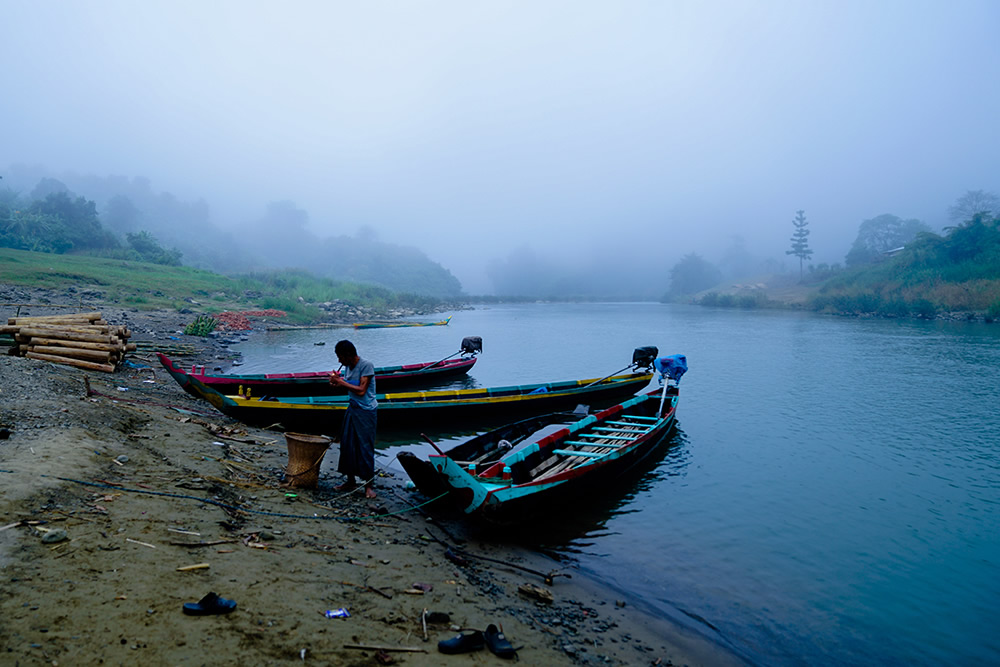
<point x="345" y="348"/>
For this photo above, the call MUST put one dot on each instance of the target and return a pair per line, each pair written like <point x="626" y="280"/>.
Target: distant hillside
<point x="116" y="216"/>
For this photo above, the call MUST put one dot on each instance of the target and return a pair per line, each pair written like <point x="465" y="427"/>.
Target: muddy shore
<point x="120" y="506"/>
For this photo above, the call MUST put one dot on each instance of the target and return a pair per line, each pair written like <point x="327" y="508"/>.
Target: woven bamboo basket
<point x="305" y="455"/>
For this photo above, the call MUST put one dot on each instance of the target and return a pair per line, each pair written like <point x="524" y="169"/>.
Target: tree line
<point x="879" y="239"/>
<point x="60" y="222"/>
<point x="126" y="219"/>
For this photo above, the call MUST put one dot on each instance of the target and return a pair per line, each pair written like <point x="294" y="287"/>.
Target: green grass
<point x="156" y="286"/>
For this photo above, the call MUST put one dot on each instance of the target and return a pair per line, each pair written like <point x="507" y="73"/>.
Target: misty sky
<point x="609" y="131"/>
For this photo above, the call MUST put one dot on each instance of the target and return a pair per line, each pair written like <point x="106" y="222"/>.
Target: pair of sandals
<point x="474" y="640"/>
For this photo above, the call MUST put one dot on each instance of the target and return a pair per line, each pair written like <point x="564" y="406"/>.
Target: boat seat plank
<point x="486" y="455"/>
<point x="605" y="429"/>
<point x="580" y="443"/>
<point x="568" y="452"/>
<point x="608" y="436"/>
<point x="571" y="459"/>
<point x="563" y="459"/>
<point x="643" y="425"/>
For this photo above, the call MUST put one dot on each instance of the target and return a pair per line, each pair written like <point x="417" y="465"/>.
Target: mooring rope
<point x="237" y="508"/>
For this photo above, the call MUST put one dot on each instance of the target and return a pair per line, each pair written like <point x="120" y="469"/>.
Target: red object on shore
<point x="237" y="320"/>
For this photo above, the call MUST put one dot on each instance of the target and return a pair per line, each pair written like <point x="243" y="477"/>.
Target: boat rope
<point x="451" y="551"/>
<point x="236" y="508"/>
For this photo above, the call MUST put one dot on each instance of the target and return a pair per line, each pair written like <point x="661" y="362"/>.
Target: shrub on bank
<point x="756" y="299"/>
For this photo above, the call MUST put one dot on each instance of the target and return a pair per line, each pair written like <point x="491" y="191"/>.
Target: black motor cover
<point x="473" y="344"/>
<point x="643" y="356"/>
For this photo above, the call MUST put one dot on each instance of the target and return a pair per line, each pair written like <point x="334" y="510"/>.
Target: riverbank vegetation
<point x="955" y="274"/>
<point x="956" y="271"/>
<point x="147" y="286"/>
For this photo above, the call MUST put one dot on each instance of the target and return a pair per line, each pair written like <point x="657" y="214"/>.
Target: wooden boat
<point x="392" y="378"/>
<point x="500" y="475"/>
<point x="483" y="450"/>
<point x="404" y="323"/>
<point x="312" y="414"/>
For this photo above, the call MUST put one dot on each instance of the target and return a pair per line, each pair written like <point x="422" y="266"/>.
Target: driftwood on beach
<point x="82" y="340"/>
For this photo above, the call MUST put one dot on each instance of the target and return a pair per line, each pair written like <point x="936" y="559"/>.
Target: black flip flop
<point x="469" y="640"/>
<point x="209" y="605"/>
<point x="497" y="643"/>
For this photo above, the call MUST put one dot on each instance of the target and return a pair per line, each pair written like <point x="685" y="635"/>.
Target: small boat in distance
<point x="317" y="383"/>
<point x="406" y="410"/>
<point x="374" y="324"/>
<point x="509" y="473"/>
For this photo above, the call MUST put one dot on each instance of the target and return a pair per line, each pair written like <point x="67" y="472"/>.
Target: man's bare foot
<point x="343" y="488"/>
<point x="370" y="492"/>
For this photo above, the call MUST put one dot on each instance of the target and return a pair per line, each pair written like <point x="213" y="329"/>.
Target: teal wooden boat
<point x="511" y="472"/>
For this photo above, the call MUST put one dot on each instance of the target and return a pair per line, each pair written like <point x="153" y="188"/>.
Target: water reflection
<point x="577" y="525"/>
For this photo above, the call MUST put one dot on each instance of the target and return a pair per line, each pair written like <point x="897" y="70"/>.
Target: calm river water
<point x="830" y="497"/>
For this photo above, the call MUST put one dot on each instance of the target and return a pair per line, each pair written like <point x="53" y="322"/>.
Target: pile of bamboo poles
<point x="83" y="340"/>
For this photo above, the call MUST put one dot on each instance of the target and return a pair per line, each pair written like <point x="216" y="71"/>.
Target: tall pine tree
<point x="800" y="240"/>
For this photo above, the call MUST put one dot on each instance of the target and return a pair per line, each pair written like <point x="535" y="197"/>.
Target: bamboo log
<point x="38" y="305"/>
<point x="109" y="347"/>
<point x="107" y="368"/>
<point x="131" y="347"/>
<point x="72" y="352"/>
<point x="93" y="315"/>
<point x="21" y="322"/>
<point x="77" y="328"/>
<point x="67" y="316"/>
<point x="59" y="323"/>
<point x="51" y="333"/>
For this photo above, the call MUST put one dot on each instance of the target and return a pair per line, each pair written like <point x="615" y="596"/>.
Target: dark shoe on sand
<point x="210" y="604"/>
<point x="469" y="640"/>
<point x="497" y="643"/>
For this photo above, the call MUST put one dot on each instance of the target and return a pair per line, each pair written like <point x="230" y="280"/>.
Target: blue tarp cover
<point x="673" y="366"/>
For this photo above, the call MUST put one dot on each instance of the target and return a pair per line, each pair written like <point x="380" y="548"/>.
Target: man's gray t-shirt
<point x="353" y="375"/>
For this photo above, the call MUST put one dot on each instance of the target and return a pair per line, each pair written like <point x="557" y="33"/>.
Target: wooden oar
<point x="609" y="376"/>
<point x="433" y="444"/>
<point x="424" y="368"/>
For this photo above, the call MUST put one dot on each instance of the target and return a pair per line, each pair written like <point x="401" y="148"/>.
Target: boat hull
<point x="483" y="450"/>
<point x="484" y="492"/>
<point x="409" y="410"/>
<point x="397" y="325"/>
<point x="387" y="378"/>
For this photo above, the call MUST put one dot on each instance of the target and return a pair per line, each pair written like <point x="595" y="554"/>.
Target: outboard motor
<point x="673" y="367"/>
<point x="473" y="344"/>
<point x="643" y="357"/>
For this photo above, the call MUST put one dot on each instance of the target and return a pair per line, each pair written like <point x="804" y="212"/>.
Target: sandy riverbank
<point x="142" y="489"/>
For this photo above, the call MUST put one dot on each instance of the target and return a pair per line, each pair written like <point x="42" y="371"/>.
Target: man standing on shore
<point x="357" y="439"/>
